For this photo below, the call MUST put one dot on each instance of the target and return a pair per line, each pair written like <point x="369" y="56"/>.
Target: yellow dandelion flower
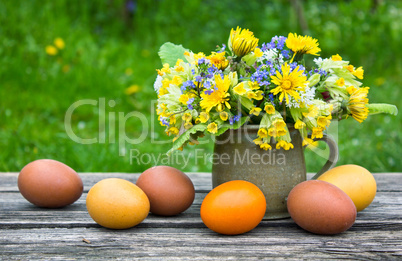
<point x="59" y="43"/>
<point x="340" y="82"/>
<point x="284" y="144"/>
<point x="262" y="133"/>
<point x="218" y="98"/>
<point x="302" y="44"/>
<point x="204" y="117"/>
<point x="288" y="82"/>
<point x="255" y="111"/>
<point x="242" y="41"/>
<point x="212" y="127"/>
<point x="132" y="89"/>
<point x="336" y="58"/>
<point x="265" y="146"/>
<point x="357" y="104"/>
<point x="239" y="89"/>
<point x="359" y="72"/>
<point x="258" y="53"/>
<point x="269" y="108"/>
<point x="219" y="60"/>
<point x="224" y="116"/>
<point x="51" y="50"/>
<point x="299" y="125"/>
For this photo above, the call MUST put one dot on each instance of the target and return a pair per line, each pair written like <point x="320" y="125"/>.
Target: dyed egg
<point x="117" y="204"/>
<point x="357" y="182"/>
<point x="234" y="207"/>
<point x="169" y="190"/>
<point x="320" y="207"/>
<point x="49" y="183"/>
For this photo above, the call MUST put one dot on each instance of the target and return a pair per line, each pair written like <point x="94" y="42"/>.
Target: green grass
<point x="103" y="40"/>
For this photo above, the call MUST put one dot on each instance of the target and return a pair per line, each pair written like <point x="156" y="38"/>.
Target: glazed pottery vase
<point x="275" y="172"/>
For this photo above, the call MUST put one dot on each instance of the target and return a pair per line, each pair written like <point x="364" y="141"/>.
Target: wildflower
<point x="351" y="89"/>
<point x="242" y="41"/>
<point x="309" y="142"/>
<point x="336" y="58"/>
<point x="188" y="125"/>
<point x="258" y="53"/>
<point x="255" y="110"/>
<point x="204" y="117"/>
<point x="265" y="146"/>
<point x="187" y="117"/>
<point x="59" y="43"/>
<point x="274" y="132"/>
<point x="302" y="44"/>
<point x="164" y="70"/>
<point x="279" y="124"/>
<point x="323" y="121"/>
<point x="262" y="133"/>
<point x="184" y="98"/>
<point x="288" y="82"/>
<point x="132" y="89"/>
<point x="219" y="97"/>
<point x="51" y="50"/>
<point x="350" y="68"/>
<point x="284" y="144"/>
<point x="269" y="108"/>
<point x="340" y="82"/>
<point x="359" y="72"/>
<point x="219" y="60"/>
<point x="299" y="124"/>
<point x="173" y="130"/>
<point x="239" y="89"/>
<point x="357" y="104"/>
<point x="258" y="141"/>
<point x="212" y="127"/>
<point x="317" y="133"/>
<point x="224" y="116"/>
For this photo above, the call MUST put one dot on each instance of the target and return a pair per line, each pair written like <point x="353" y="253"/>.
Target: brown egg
<point x="49" y="183"/>
<point x="169" y="190"/>
<point x="320" y="207"/>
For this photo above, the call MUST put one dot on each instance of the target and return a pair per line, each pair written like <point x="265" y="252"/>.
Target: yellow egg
<point x="357" y="182"/>
<point x="117" y="204"/>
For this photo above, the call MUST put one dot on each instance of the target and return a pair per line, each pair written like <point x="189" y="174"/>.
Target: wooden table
<point x="28" y="232"/>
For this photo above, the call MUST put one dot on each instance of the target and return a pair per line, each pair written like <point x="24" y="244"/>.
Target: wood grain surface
<point x="31" y="233"/>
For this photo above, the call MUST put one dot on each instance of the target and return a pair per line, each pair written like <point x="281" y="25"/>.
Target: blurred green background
<point x="111" y="53"/>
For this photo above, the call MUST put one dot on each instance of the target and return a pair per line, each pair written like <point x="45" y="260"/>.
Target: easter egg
<point x="49" y="183"/>
<point x="234" y="207"/>
<point x="320" y="207"/>
<point x="117" y="204"/>
<point x="357" y="182"/>
<point x="169" y="190"/>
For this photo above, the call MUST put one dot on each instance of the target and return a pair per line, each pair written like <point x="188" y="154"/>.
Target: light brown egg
<point x="320" y="207"/>
<point x="169" y="190"/>
<point x="49" y="183"/>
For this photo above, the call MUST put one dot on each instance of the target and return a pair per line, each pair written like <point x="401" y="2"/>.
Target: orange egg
<point x="117" y="203"/>
<point x="234" y="207"/>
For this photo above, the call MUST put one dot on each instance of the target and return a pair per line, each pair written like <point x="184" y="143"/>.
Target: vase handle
<point x="333" y="154"/>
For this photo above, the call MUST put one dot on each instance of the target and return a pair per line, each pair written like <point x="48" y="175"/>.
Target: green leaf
<point x="235" y="125"/>
<point x="169" y="53"/>
<point x="186" y="137"/>
<point x="375" y="108"/>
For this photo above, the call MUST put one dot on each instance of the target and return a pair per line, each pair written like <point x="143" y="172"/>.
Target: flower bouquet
<point x="268" y="84"/>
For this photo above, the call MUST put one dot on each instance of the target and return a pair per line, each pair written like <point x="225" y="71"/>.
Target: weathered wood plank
<point x="197" y="243"/>
<point x="201" y="180"/>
